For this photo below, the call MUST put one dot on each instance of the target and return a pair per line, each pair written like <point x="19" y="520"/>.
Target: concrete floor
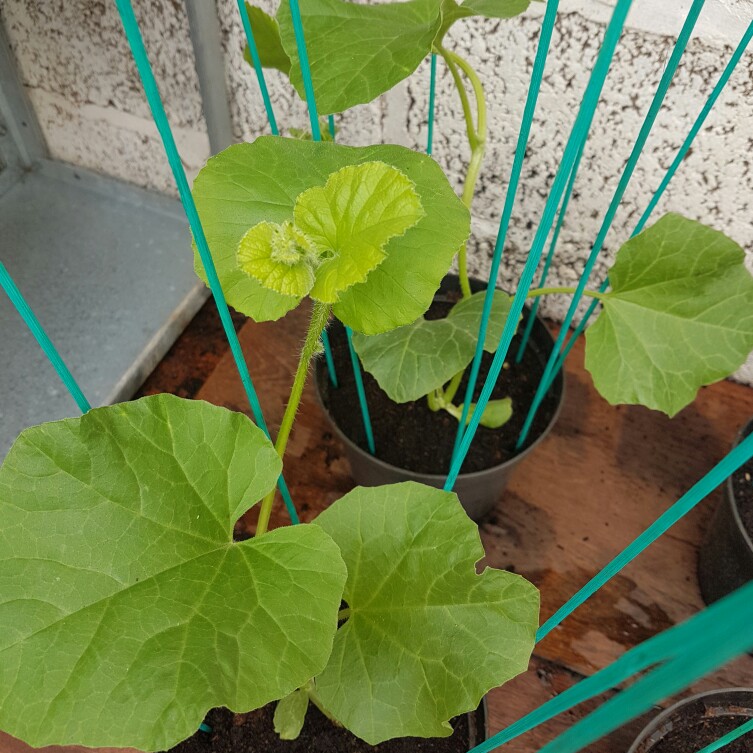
<point x="108" y="270"/>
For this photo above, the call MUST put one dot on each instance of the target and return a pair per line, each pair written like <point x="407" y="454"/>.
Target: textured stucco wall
<point x="77" y="69"/>
<point x="82" y="82"/>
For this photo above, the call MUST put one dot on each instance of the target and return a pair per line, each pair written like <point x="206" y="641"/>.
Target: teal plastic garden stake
<point x="730" y="737"/>
<point x="579" y="133"/>
<point x="361" y="392"/>
<point x="34" y="325"/>
<point x="133" y="34"/>
<point x="627" y="174"/>
<point x="739" y="455"/>
<point x="678" y="160"/>
<point x="432" y="98"/>
<point x="308" y="87"/>
<point x="705" y="645"/>
<point x="534" y="87"/>
<point x="328" y="359"/>
<point x="666" y="645"/>
<point x="550" y="256"/>
<point x="258" y="69"/>
<point x="303" y="56"/>
<point x="680" y="655"/>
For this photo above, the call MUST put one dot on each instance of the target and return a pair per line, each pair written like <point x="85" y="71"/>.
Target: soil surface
<point x="254" y="733"/>
<point x="742" y="483"/>
<point x="689" y="737"/>
<point x="411" y="436"/>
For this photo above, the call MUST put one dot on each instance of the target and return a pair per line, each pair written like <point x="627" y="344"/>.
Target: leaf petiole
<point x="476" y="133"/>
<point x="319" y="319"/>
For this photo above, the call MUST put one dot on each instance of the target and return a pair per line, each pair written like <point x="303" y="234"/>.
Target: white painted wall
<point x="79" y="75"/>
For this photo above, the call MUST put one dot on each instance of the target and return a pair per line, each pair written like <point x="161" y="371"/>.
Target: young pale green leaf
<point x="351" y="219"/>
<point x="426" y="635"/>
<point x="497" y="413"/>
<point x="279" y="257"/>
<point x="251" y="183"/>
<point x="411" y="361"/>
<point x="290" y="714"/>
<point x="357" y="52"/>
<point x="267" y="39"/>
<point x="679" y="316"/>
<point x="304" y="134"/>
<point x="127" y="610"/>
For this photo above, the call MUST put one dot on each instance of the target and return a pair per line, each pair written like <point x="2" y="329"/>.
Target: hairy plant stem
<point x="476" y="132"/>
<point x="319" y="319"/>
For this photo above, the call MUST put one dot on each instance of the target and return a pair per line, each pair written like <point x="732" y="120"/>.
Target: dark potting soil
<point x="742" y="484"/>
<point x="690" y="736"/>
<point x="415" y="438"/>
<point x="254" y="733"/>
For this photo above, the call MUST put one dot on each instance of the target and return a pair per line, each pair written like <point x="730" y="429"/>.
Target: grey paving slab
<point x="108" y="270"/>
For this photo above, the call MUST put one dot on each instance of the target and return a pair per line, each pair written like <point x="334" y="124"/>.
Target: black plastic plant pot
<point x="245" y="733"/>
<point x="698" y="721"/>
<point x="478" y="491"/>
<point x="725" y="559"/>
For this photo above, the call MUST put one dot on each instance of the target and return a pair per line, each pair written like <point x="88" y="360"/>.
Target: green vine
<point x="319" y="319"/>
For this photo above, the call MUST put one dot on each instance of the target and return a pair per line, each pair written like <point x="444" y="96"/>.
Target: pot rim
<point x="658" y="720"/>
<point x="731" y="490"/>
<point x="438" y="478"/>
<point x="484" y="717"/>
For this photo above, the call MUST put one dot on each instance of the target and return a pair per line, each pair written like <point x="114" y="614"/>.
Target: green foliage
<point x="290" y="714"/>
<point x="276" y="180"/>
<point x="357" y="52"/>
<point x="497" y="412"/>
<point x="453" y="11"/>
<point x="305" y="135"/>
<point x="127" y="610"/>
<point x="679" y="316"/>
<point x="426" y="636"/>
<point x="411" y="361"/>
<point x="338" y="234"/>
<point x="267" y="39"/>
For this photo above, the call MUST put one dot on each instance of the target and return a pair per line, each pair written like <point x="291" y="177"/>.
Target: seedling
<point x="678" y="315"/>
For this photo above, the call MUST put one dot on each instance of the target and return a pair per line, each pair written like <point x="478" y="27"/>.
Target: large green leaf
<point x="357" y="52"/>
<point x="496" y="8"/>
<point x="453" y="11"/>
<point x="466" y="315"/>
<point x="411" y="361"/>
<point x="679" y="316"/>
<point x="267" y="39"/>
<point x="260" y="182"/>
<point x="126" y="609"/>
<point x="426" y="636"/>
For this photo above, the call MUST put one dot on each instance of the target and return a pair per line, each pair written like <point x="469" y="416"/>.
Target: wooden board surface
<point x="600" y="478"/>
